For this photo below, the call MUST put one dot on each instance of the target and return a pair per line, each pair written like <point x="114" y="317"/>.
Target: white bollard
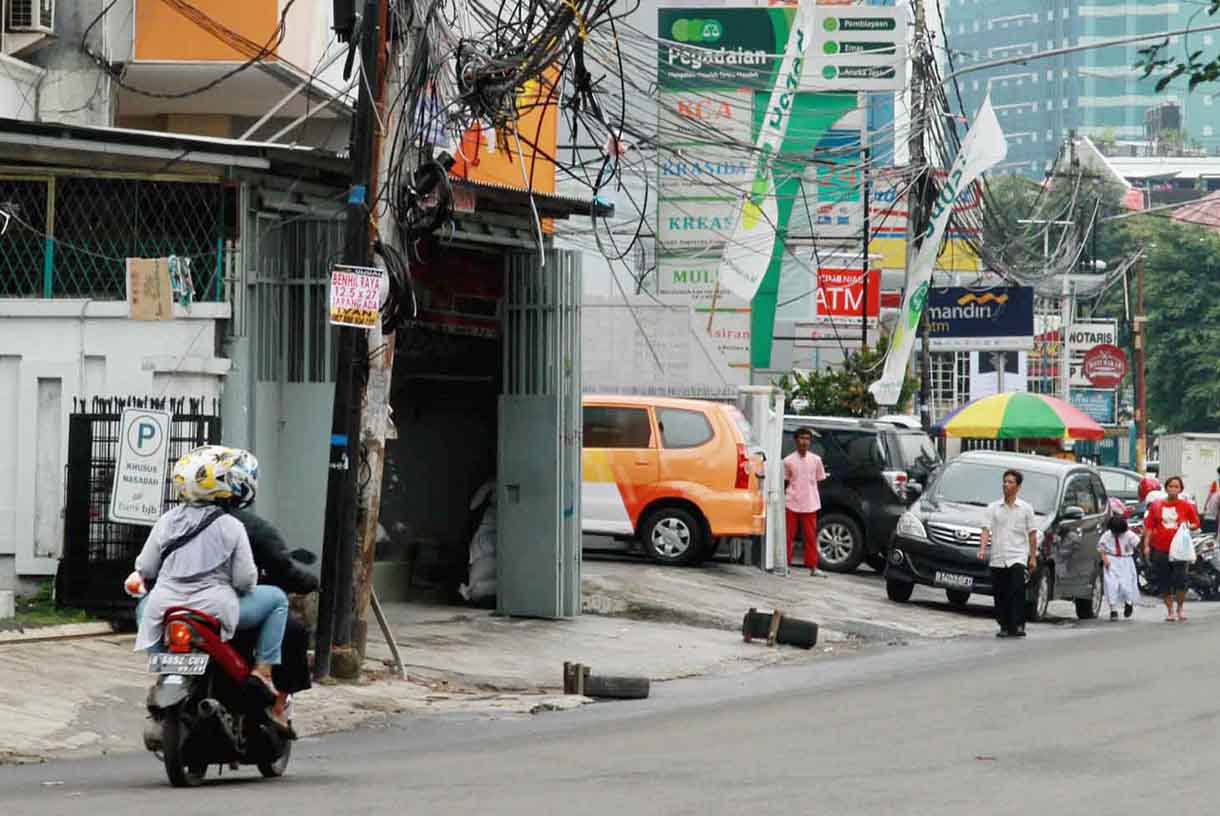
<point x="8" y="604"/>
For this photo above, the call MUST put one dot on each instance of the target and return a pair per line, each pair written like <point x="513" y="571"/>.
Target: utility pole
<point x="917" y="212"/>
<point x="864" y="264"/>
<point x="336" y="601"/>
<point x="1141" y="373"/>
<point x="1066" y="311"/>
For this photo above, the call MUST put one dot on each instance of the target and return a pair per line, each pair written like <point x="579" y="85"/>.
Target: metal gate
<point x="98" y="553"/>
<point x="538" y="513"/>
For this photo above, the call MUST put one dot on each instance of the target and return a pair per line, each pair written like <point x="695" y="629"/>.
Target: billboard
<point x="962" y="319"/>
<point x="1099" y="404"/>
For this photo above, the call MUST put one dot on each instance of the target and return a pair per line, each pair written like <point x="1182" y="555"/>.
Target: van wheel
<point x="1090" y="607"/>
<point x="1039" y="596"/>
<point x="899" y="591"/>
<point x="840" y="543"/>
<point x="673" y="536"/>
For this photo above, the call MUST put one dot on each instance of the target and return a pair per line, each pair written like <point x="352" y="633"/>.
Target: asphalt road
<point x="1102" y="718"/>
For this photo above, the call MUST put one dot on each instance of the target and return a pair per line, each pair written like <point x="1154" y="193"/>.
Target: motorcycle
<point x="206" y="707"/>
<point x="1202" y="576"/>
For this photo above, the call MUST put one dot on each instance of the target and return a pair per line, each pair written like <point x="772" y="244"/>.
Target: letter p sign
<point x="145" y="435"/>
<point x="146" y="432"/>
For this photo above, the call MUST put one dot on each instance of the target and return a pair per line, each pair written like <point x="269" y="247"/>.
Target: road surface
<point x="1101" y="718"/>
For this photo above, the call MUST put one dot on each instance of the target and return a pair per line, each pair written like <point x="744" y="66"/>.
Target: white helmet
<point x="214" y="474"/>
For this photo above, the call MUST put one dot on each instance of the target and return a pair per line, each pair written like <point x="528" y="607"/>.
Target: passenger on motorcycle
<point x="200" y="558"/>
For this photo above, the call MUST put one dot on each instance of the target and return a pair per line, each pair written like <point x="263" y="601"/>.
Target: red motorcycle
<point x="206" y="707"/>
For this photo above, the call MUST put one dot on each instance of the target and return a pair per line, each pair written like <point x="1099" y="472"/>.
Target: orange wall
<point x="481" y="159"/>
<point x="163" y="33"/>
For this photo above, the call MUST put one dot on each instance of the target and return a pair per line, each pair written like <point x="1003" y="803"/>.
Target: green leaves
<point x="841" y="390"/>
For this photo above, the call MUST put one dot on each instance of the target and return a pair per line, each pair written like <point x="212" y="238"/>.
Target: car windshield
<point x="981" y="484"/>
<point x="918" y="452"/>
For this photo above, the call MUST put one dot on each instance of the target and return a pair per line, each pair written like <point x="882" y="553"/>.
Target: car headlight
<point x="911" y="527"/>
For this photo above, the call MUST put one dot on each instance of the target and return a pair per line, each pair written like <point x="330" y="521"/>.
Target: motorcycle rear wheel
<point x="181" y="773"/>
<point x="276" y="769"/>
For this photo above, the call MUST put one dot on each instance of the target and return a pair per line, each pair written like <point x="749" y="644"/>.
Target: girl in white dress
<point x="1117" y="547"/>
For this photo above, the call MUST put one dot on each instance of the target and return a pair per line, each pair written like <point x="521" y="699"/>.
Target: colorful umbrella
<point x="1019" y="416"/>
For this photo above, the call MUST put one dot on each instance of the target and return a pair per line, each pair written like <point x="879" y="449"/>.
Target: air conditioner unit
<point x="35" y="16"/>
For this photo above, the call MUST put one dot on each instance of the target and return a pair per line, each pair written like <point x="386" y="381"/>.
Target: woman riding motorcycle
<point x="200" y="557"/>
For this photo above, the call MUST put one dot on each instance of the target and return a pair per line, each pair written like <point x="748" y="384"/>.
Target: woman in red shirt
<point x="1160" y="525"/>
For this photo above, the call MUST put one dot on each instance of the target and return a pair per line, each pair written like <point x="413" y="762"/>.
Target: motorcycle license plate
<point x="192" y="663"/>
<point x="952" y="580"/>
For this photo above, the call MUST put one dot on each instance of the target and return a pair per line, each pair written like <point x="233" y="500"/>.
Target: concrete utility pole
<point x="1141" y="373"/>
<point x="917" y="212"/>
<point x="337" y="598"/>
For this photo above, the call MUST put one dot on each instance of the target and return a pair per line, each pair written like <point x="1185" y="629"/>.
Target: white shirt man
<point x="1010" y="530"/>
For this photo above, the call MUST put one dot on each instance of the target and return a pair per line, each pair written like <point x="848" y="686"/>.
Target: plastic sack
<point x="481" y="586"/>
<point x="1182" y="548"/>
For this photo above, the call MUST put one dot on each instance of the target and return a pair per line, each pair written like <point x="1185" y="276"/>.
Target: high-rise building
<point x="1098" y="92"/>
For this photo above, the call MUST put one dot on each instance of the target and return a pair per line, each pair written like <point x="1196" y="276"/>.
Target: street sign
<point x="1100" y="405"/>
<point x="1104" y="366"/>
<point x="355" y="295"/>
<point x="962" y="319"/>
<point x="141" y="470"/>
<point x="1084" y="335"/>
<point x="857" y="48"/>
<point x="840" y="293"/>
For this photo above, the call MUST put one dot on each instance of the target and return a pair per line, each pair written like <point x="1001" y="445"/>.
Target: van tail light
<point x="897" y="480"/>
<point x="179" y="635"/>
<point x="743" y="468"/>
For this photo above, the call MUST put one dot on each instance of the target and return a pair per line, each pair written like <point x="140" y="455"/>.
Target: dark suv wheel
<point x="840" y="543"/>
<point x="1090" y="607"/>
<point x="1039" y="598"/>
<point x="674" y="536"/>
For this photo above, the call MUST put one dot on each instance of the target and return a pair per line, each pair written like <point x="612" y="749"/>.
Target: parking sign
<point x="141" y="469"/>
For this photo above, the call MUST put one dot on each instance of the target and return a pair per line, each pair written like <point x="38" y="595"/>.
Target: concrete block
<point x="8" y="604"/>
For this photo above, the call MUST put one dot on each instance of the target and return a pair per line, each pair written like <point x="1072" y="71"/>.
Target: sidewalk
<point x="85" y="696"/>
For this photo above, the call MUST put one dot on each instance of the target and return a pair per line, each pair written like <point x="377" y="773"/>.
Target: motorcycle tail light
<point x="179" y="635"/>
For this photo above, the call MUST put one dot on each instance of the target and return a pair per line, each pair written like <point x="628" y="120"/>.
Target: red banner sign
<point x="841" y="293"/>
<point x="1105" y="366"/>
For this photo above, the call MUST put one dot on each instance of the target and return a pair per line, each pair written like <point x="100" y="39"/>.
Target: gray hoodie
<point x="206" y="574"/>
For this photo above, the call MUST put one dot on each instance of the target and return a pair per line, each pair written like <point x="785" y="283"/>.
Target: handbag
<point x="1182" y="548"/>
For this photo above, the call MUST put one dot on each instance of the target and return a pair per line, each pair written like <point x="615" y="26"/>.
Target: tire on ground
<point x="899" y="591"/>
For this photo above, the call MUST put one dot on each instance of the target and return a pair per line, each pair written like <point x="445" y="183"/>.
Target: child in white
<point x="1117" y="548"/>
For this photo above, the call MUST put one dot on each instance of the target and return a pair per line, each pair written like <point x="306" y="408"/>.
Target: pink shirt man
<point x="803" y="474"/>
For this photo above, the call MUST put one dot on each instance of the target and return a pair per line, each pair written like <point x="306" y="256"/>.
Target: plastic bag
<point x="1182" y="548"/>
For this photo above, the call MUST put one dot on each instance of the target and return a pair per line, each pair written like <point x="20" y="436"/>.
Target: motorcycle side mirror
<point x="914" y="491"/>
<point x="1072" y="513"/>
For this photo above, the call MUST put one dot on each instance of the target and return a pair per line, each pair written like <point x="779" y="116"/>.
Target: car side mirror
<point x="1072" y="513"/>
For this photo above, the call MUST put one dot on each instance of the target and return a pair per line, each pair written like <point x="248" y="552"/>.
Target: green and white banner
<point x="983" y="148"/>
<point x="747" y="255"/>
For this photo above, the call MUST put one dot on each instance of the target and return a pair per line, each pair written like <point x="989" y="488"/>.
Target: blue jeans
<point x="265" y="607"/>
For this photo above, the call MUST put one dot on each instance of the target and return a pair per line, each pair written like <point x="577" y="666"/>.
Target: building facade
<point x="1096" y="92"/>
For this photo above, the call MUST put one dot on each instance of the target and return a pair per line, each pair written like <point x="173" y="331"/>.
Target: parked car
<point x="676" y="474"/>
<point x="1121" y="484"/>
<point x="936" y="542"/>
<point x="872" y="467"/>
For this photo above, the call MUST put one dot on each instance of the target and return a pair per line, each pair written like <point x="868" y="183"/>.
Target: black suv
<point x="870" y="467"/>
<point x="936" y="542"/>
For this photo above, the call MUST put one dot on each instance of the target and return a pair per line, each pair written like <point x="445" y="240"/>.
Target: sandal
<point x="1170" y="619"/>
<point x="1181" y="617"/>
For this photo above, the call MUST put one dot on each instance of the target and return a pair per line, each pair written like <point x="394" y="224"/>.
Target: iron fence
<point x="99" y="553"/>
<point x="70" y="236"/>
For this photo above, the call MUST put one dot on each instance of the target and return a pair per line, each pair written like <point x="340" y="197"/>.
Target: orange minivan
<point x="677" y="474"/>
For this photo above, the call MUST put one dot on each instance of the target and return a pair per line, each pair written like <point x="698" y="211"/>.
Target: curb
<point x="63" y="631"/>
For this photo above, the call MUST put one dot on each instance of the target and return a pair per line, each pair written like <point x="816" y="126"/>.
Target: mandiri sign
<point x="141" y="470"/>
<point x="997" y="319"/>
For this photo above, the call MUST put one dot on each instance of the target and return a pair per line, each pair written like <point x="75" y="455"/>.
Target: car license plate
<point x="954" y="581"/>
<point x="192" y="663"/>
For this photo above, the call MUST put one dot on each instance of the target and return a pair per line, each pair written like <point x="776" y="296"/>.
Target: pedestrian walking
<point x="1161" y="524"/>
<point x="803" y="469"/>
<point x="1117" y="547"/>
<point x="1010" y="532"/>
<point x="1211" y="507"/>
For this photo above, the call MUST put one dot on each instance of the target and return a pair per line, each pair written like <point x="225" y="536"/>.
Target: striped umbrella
<point x="1019" y="415"/>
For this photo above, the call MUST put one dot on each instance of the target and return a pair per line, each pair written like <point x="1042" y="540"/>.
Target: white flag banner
<point x="983" y="148"/>
<point x="748" y="252"/>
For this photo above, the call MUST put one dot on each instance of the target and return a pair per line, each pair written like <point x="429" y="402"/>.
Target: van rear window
<point x="683" y="429"/>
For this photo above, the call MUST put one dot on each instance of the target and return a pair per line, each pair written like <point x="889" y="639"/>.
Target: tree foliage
<point x="1195" y="68"/>
<point x="841" y="390"/>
